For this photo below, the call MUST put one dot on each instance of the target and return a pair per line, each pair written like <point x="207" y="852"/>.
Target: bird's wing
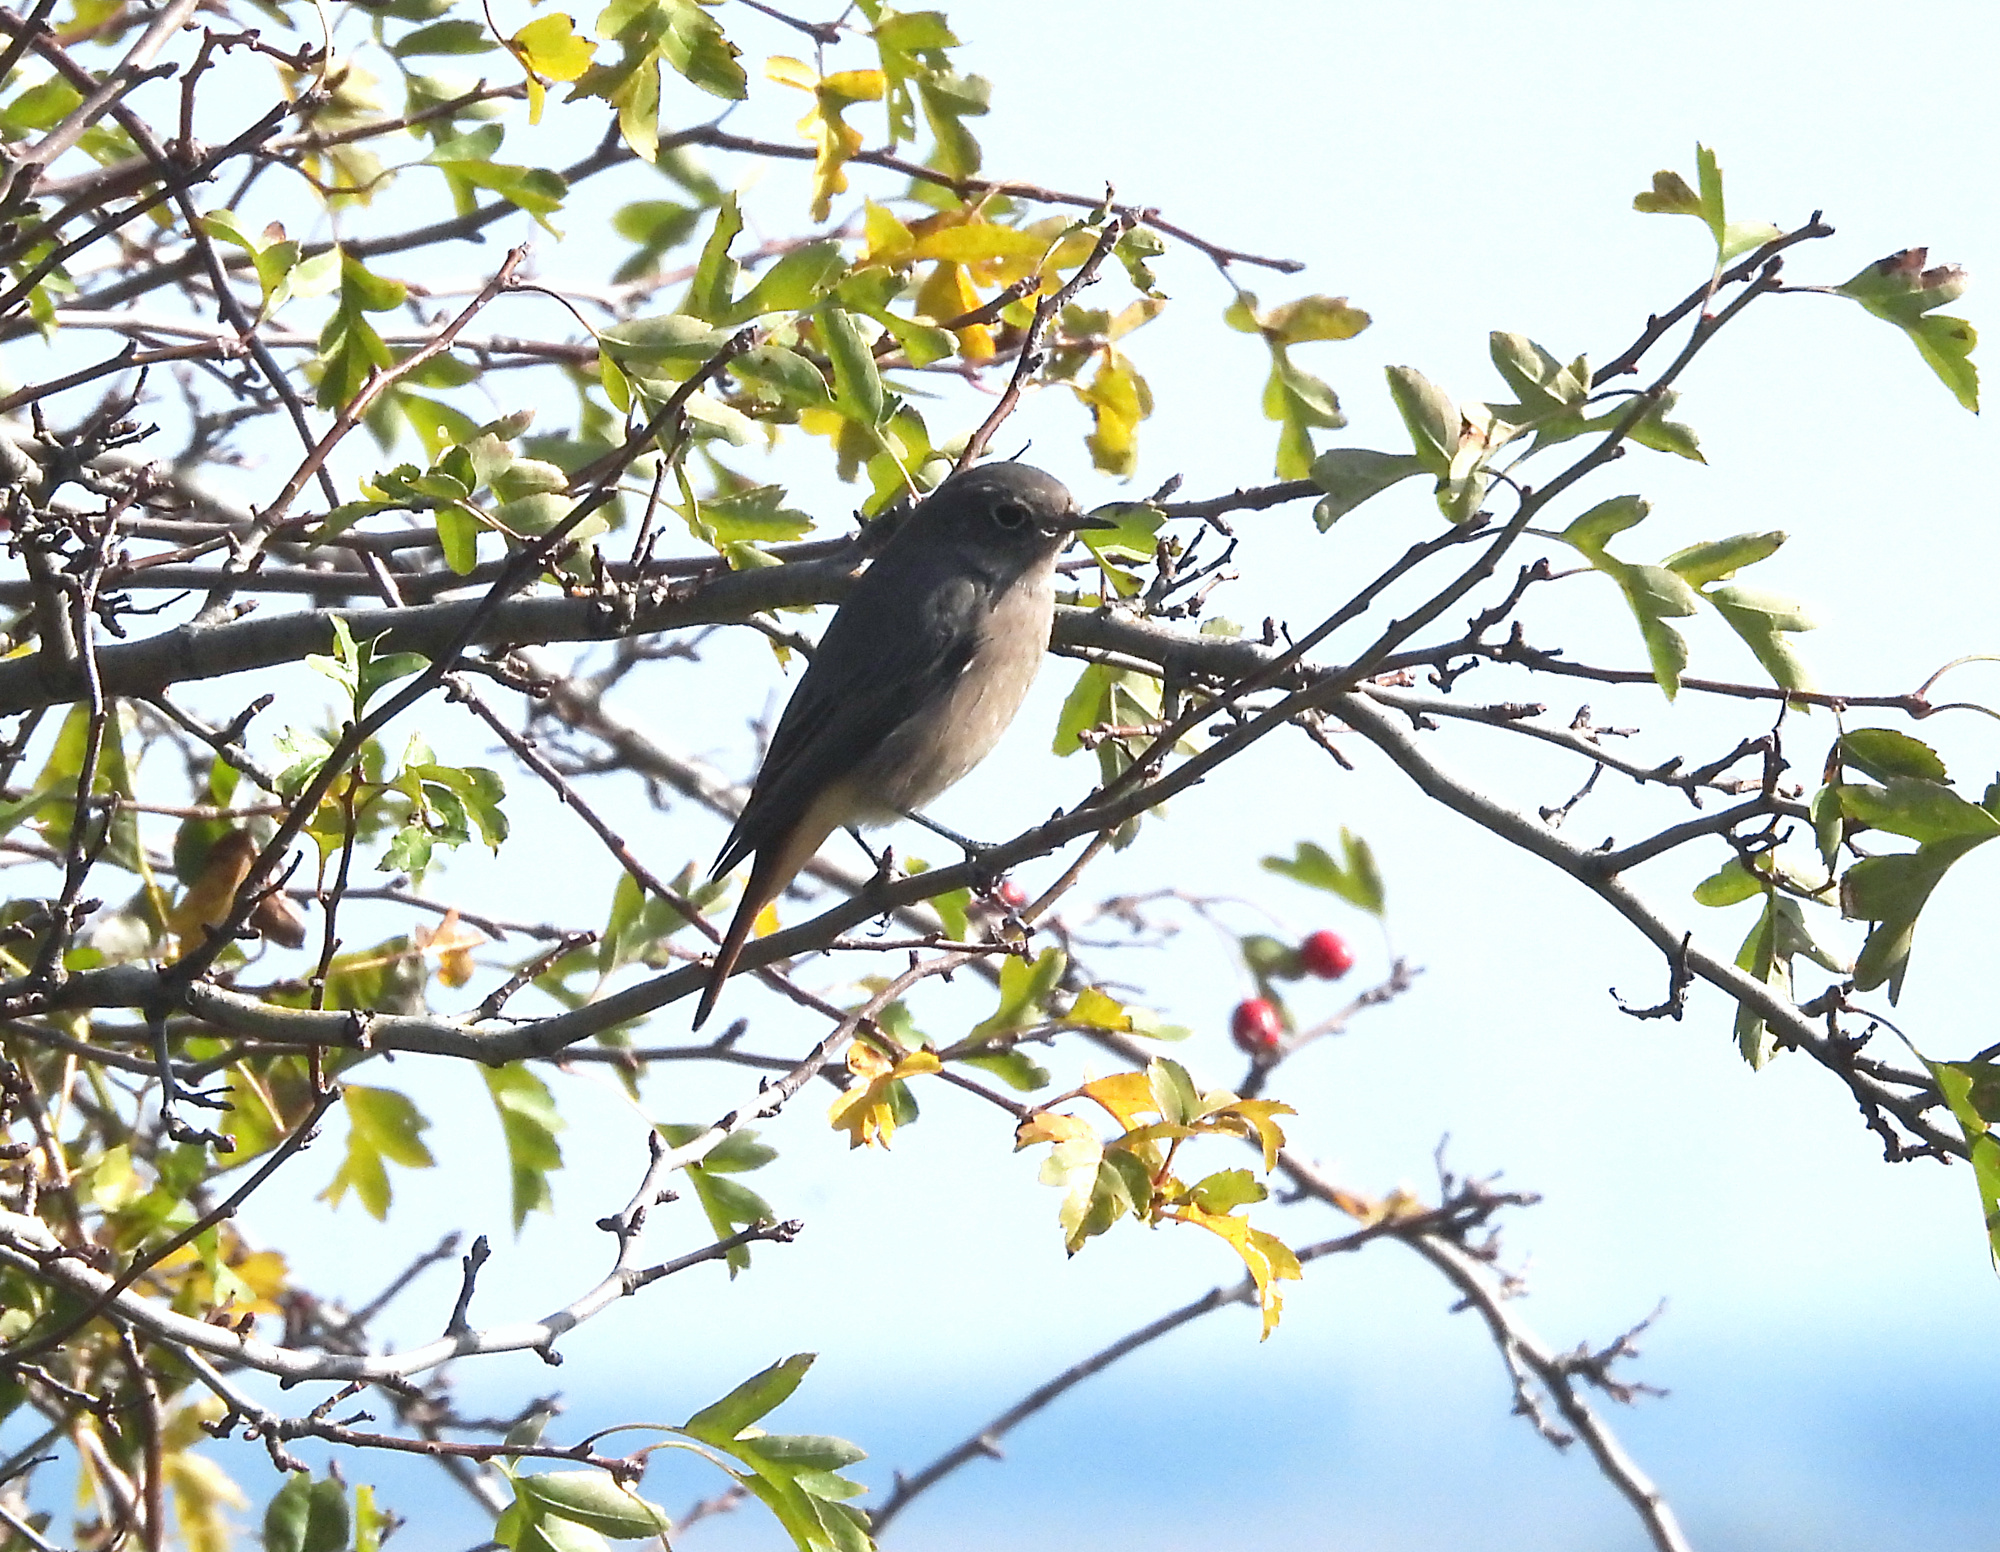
<point x="891" y="651"/>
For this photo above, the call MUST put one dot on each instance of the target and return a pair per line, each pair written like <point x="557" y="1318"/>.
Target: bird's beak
<point x="1078" y="522"/>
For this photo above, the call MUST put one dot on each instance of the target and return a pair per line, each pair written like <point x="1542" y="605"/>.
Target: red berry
<point x="1012" y="895"/>
<point x="1256" y="1027"/>
<point x="1326" y="955"/>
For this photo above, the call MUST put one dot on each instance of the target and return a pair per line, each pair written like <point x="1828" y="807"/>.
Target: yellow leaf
<point x="453" y="942"/>
<point x="201" y="1490"/>
<point x="1050" y="1126"/>
<point x="1134" y="315"/>
<point x="866" y="1110"/>
<point x="1269" y="1259"/>
<point x="847" y="87"/>
<point x="113" y="1183"/>
<point x="836" y="139"/>
<point x="767" y="921"/>
<point x="889" y="241"/>
<point x="549" y="50"/>
<point x="1095" y="1009"/>
<point x="998" y="253"/>
<point x="264" y="1273"/>
<point x="948" y="294"/>
<point x="1119" y="399"/>
<point x="1248" y="1117"/>
<point x="787" y="71"/>
<point x="1126" y="1095"/>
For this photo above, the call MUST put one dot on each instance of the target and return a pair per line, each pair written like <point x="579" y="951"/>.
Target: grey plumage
<point x="916" y="678"/>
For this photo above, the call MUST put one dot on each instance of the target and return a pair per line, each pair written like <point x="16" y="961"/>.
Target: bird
<point x="918" y="675"/>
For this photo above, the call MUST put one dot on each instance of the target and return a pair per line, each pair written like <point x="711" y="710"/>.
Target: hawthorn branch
<point x="978" y="188"/>
<point x="27" y="1245"/>
<point x="1792" y="1025"/>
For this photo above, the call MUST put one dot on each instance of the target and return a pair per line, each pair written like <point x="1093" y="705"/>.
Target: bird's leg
<point x="880" y="859"/>
<point x="985" y="878"/>
<point x="884" y="861"/>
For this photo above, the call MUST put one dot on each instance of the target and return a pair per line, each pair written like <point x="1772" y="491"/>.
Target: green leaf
<point x="728" y="1204"/>
<point x="1925" y="811"/>
<point x="1886" y="754"/>
<point x="1351" y="475"/>
<point x="306" y="1516"/>
<point x="796" y="281"/>
<point x="1728" y="885"/>
<point x="790" y="377"/>
<point x="1015" y="1069"/>
<point x="681" y="339"/>
<point x="1779" y="936"/>
<point x="1134" y="540"/>
<point x="712" y="290"/>
<point x="695" y="47"/>
<point x="593" y="1499"/>
<point x="383" y="1127"/>
<point x="1670" y="195"/>
<point x="857" y="386"/>
<point x="756" y="514"/>
<point x="526" y="1527"/>
<point x="1656" y="595"/>
<point x="1902" y="290"/>
<point x="1763" y="620"/>
<point x="1430" y="416"/>
<point x="948" y="100"/>
<point x="1972" y="1090"/>
<point x="1355" y="879"/>
<point x="451" y="36"/>
<point x="273" y="256"/>
<point x="539" y="191"/>
<point x="1226" y="1190"/>
<point x="529" y="1122"/>
<point x="349" y="348"/>
<point x="656" y="225"/>
<point x="1543" y="384"/>
<point x="479" y="792"/>
<point x="1592" y="531"/>
<point x="12" y="813"/>
<point x="868" y="291"/>
<point x="1025" y="986"/>
<point x="1759" y="956"/>
<point x="1828" y="830"/>
<point x="41" y="106"/>
<point x="437" y="425"/>
<point x="376" y="672"/>
<point x="720" y="1422"/>
<point x="1654" y="430"/>
<point x="1700" y="564"/>
<point x="1173" y="1091"/>
<point x="1891" y="892"/>
<point x="1103" y="696"/>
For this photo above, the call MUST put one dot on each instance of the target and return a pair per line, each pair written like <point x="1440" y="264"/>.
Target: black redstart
<point x="913" y="683"/>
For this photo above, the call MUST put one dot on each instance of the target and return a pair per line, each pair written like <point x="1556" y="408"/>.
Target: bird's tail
<point x="777" y="862"/>
<point x="757" y="894"/>
<point x="772" y="870"/>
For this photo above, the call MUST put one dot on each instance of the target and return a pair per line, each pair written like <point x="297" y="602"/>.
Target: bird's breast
<point x="943" y="740"/>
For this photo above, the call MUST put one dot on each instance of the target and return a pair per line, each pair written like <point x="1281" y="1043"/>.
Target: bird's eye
<point x="1010" y="514"/>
